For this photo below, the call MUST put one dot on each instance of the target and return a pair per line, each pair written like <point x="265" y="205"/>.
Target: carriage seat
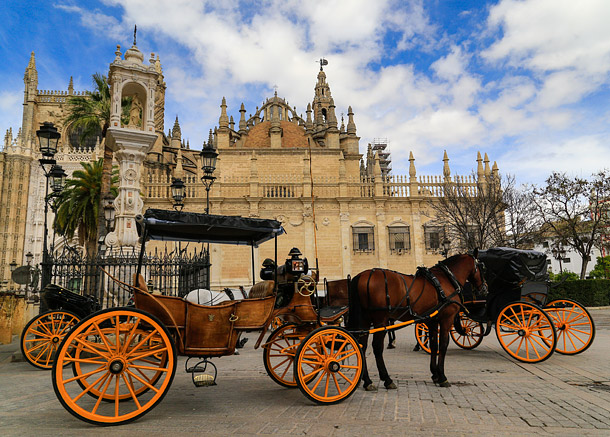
<point x="261" y="289"/>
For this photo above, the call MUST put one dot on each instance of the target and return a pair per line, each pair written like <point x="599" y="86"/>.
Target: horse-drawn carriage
<point x="42" y="335"/>
<point x="117" y="364"/>
<point x="528" y="325"/>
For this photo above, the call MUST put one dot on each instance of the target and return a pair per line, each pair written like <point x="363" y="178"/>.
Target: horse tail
<point x="355" y="314"/>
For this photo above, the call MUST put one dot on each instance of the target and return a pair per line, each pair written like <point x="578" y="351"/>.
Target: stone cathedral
<point x="337" y="199"/>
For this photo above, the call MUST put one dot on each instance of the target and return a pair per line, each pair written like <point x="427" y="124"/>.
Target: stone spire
<point x="487" y="170"/>
<point x="179" y="170"/>
<point x="71" y="86"/>
<point x="30" y="79"/>
<point x="308" y="122"/>
<point x="412" y="172"/>
<point x="223" y="121"/>
<point x="322" y="99"/>
<point x="242" y="119"/>
<point x="480" y="171"/>
<point x="351" y="126"/>
<point x="176" y="132"/>
<point x="446" y="170"/>
<point x="494" y="170"/>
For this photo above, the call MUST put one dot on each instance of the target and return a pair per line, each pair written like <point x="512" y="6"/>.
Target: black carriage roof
<point x="207" y="228"/>
<point x="514" y="265"/>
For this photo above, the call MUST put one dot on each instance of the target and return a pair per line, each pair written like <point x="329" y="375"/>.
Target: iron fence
<point x="171" y="273"/>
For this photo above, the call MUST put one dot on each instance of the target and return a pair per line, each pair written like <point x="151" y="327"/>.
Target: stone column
<point x="130" y="148"/>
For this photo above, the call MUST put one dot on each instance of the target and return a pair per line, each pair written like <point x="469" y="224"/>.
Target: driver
<point x="287" y="275"/>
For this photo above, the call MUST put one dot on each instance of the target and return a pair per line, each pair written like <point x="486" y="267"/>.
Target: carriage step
<point x="204" y="380"/>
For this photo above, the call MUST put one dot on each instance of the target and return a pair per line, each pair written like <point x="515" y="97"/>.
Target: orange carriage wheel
<point x="574" y="325"/>
<point x="526" y="332"/>
<point x="421" y="335"/>
<point x="279" y="353"/>
<point x="124" y="357"/>
<point x="42" y="336"/>
<point x="473" y="332"/>
<point x="328" y="365"/>
<point x="159" y="359"/>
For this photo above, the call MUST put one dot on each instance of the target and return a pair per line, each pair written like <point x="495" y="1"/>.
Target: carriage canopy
<point x="162" y="224"/>
<point x="514" y="266"/>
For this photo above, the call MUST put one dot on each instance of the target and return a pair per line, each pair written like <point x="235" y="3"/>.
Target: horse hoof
<point x="370" y="387"/>
<point x="390" y="386"/>
<point x="445" y="384"/>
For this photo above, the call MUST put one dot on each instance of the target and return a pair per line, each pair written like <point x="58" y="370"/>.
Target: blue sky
<point x="525" y="81"/>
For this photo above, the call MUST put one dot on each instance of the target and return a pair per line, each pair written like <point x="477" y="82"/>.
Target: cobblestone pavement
<point x="491" y="395"/>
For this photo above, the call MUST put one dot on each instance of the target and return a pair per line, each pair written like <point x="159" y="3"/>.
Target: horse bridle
<point x="480" y="266"/>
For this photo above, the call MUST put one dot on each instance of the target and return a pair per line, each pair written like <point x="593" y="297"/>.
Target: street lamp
<point x="13" y="266"/>
<point x="178" y="193"/>
<point x="48" y="137"/>
<point x="446" y="246"/>
<point x="559" y="254"/>
<point x="109" y="211"/>
<point x="208" y="160"/>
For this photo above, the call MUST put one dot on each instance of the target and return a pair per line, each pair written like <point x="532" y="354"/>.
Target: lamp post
<point x="208" y="159"/>
<point x="446" y="246"/>
<point x="28" y="259"/>
<point x="13" y="266"/>
<point x="48" y="137"/>
<point x="559" y="254"/>
<point x="178" y="190"/>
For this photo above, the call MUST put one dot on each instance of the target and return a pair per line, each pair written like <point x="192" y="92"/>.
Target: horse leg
<point x="433" y="344"/>
<point x="366" y="380"/>
<point x="378" y="340"/>
<point x="445" y="327"/>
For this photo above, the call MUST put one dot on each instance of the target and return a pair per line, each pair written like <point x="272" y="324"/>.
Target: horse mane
<point x="451" y="260"/>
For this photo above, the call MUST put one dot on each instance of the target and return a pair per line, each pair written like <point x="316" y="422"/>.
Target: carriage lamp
<point x="48" y="137"/>
<point x="297" y="265"/>
<point x="58" y="178"/>
<point x="28" y="258"/>
<point x="109" y="211"/>
<point x="178" y="193"/>
<point x="208" y="160"/>
<point x="13" y="265"/>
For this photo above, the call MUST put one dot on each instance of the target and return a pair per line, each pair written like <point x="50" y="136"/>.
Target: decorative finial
<point x="323" y="62"/>
<point x="135" y="29"/>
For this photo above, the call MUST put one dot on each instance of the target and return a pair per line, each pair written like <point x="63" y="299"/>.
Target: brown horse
<point x="379" y="295"/>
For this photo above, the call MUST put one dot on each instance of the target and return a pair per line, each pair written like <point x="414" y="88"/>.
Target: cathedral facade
<point x="344" y="209"/>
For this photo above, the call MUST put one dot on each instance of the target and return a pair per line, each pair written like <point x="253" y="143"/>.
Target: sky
<point x="527" y="82"/>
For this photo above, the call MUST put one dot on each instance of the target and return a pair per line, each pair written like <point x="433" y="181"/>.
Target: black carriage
<point x="528" y="325"/>
<point x="43" y="334"/>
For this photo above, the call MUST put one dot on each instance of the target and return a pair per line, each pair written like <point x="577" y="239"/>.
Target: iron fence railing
<point x="170" y="273"/>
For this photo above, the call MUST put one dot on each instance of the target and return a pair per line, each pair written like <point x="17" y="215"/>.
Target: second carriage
<point x="529" y="325"/>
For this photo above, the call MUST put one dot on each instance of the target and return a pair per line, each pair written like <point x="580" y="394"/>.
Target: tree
<point x="602" y="268"/>
<point x="90" y="113"/>
<point x="472" y="212"/>
<point x="523" y="227"/>
<point x="574" y="210"/>
<point x="78" y="205"/>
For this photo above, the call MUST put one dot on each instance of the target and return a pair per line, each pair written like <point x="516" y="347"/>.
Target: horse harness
<point x="444" y="300"/>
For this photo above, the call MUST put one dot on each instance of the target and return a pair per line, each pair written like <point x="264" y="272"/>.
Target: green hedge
<point x="588" y="292"/>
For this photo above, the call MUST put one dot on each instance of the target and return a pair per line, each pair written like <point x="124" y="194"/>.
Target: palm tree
<point x="90" y="113"/>
<point x="78" y="205"/>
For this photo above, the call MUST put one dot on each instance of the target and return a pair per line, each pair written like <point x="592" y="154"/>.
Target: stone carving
<point x="135" y="113"/>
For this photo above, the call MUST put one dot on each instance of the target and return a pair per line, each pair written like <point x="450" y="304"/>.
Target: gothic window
<point x="434" y="236"/>
<point x="324" y="115"/>
<point x="363" y="238"/>
<point x="400" y="239"/>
